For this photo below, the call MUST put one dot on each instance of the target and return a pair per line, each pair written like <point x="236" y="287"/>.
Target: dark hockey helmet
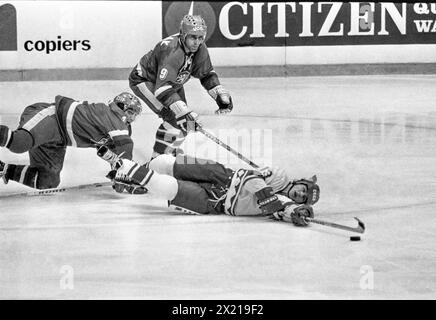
<point x="191" y="24"/>
<point x="127" y="101"/>
<point x="312" y="193"/>
<point x="281" y="183"/>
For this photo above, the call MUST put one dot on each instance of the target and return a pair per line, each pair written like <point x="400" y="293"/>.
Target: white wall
<point x="120" y="32"/>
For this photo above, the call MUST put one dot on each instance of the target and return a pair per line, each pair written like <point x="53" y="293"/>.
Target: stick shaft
<point x="55" y="190"/>
<point x="230" y="149"/>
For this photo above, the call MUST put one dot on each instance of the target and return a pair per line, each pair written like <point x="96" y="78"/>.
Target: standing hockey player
<point x="159" y="76"/>
<point x="204" y="187"/>
<point x="46" y="129"/>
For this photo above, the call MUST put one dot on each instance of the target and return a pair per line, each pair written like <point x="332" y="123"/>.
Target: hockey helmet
<point x="127" y="101"/>
<point x="191" y="24"/>
<point x="312" y="193"/>
<point x="280" y="182"/>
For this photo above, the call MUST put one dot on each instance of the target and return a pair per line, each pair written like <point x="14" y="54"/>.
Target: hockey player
<point x="46" y="129"/>
<point x="159" y="76"/>
<point x="205" y="187"/>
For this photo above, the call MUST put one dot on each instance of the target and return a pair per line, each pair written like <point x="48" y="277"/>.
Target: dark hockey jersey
<point x="91" y="124"/>
<point x="169" y="67"/>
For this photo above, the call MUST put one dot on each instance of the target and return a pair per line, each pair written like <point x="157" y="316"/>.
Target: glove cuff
<point x="218" y="90"/>
<point x="179" y="108"/>
<point x="268" y="201"/>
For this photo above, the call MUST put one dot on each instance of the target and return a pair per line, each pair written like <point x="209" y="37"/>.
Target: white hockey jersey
<point x="241" y="199"/>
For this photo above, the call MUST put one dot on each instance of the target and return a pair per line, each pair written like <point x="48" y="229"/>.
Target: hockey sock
<point x="168" y="140"/>
<point x="23" y="174"/>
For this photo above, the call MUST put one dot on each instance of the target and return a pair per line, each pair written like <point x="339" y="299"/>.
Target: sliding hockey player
<point x="207" y="187"/>
<point x="46" y="129"/>
<point x="159" y="76"/>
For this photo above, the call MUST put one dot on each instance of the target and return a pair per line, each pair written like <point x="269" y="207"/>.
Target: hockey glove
<point x="299" y="215"/>
<point x="268" y="201"/>
<point x="296" y="215"/>
<point x="106" y="154"/>
<point x="186" y="119"/>
<point x="222" y="98"/>
<point x="128" y="176"/>
<point x="131" y="172"/>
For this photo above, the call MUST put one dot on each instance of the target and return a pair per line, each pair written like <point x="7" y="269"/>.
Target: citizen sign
<point x="312" y="23"/>
<point x="358" y="20"/>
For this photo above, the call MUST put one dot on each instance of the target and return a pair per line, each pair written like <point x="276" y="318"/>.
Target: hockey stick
<point x="184" y="210"/>
<point x="359" y="229"/>
<point x="56" y="190"/>
<point x="222" y="144"/>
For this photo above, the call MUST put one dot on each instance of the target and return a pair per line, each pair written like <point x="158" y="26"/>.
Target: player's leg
<point x="188" y="168"/>
<point x="38" y="125"/>
<point x="144" y="91"/>
<point x="194" y="197"/>
<point x="46" y="162"/>
<point x="49" y="160"/>
<point x="169" y="137"/>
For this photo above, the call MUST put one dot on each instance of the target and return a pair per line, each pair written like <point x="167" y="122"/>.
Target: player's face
<point x="193" y="42"/>
<point x="130" y="116"/>
<point x="298" y="193"/>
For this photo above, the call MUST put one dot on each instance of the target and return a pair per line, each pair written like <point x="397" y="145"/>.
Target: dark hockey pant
<point x="202" y="184"/>
<point x="38" y="133"/>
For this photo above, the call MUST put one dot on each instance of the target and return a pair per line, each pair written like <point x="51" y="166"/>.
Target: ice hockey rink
<point x="371" y="141"/>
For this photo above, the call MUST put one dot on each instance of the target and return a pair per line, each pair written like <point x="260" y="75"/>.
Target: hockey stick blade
<point x="55" y="190"/>
<point x="359" y="229"/>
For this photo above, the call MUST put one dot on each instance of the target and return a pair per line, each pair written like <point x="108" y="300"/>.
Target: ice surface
<point x="371" y="140"/>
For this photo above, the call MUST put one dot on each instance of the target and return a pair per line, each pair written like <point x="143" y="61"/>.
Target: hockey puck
<point x="355" y="238"/>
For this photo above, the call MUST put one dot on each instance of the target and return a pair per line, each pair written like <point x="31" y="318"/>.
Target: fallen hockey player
<point x="46" y="129"/>
<point x="207" y="187"/>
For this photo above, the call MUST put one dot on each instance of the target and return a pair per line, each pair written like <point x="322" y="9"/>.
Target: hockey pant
<point x="38" y="134"/>
<point x="202" y="184"/>
<point x="202" y="170"/>
<point x="169" y="136"/>
<point x="197" y="197"/>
